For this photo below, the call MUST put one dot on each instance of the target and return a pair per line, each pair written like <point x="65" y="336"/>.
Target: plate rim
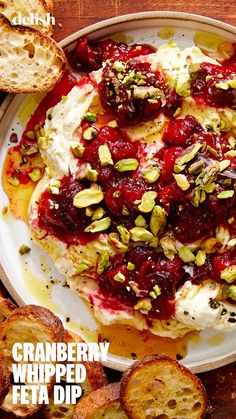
<point x="88" y="30"/>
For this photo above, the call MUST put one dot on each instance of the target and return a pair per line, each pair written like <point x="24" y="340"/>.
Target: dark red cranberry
<point x="197" y="274"/>
<point x="169" y="157"/>
<point x="171" y="194"/>
<point x="180" y="131"/>
<point x="222" y="261"/>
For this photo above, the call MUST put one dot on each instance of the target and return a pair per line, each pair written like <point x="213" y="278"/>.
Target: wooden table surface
<point x="72" y="15"/>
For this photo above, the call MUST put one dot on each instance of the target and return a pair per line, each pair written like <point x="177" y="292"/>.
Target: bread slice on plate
<point x="6" y="308"/>
<point x="95" y="378"/>
<point x="29" y="61"/>
<point x="159" y="387"/>
<point x="102" y="403"/>
<point x="49" y="4"/>
<point x="27" y="324"/>
<point x="12" y="8"/>
<point x="4" y="379"/>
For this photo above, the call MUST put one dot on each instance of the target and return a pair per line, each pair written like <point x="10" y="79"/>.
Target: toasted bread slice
<point x="29" y="61"/>
<point x="49" y="4"/>
<point x="159" y="387"/>
<point x="27" y="324"/>
<point x="12" y="8"/>
<point x="102" y="403"/>
<point x="95" y="378"/>
<point x="4" y="379"/>
<point x="6" y="308"/>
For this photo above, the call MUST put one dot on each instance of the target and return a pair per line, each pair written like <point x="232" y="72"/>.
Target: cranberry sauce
<point x="148" y="269"/>
<point x="211" y="85"/>
<point x="90" y="56"/>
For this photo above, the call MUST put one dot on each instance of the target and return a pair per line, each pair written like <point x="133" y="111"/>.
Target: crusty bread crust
<point x="12" y="8"/>
<point x="6" y="308"/>
<point x="36" y="64"/>
<point x="160" y="387"/>
<point x="4" y="379"/>
<point x="102" y="403"/>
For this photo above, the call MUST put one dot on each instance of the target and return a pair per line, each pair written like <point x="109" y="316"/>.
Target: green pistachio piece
<point x="119" y="277"/>
<point x="130" y="266"/>
<point x="229" y="274"/>
<point x="143" y="304"/>
<point x="231" y="153"/>
<point x="98" y="214"/>
<point x="13" y="181"/>
<point x="126" y="165"/>
<point x="36" y="174"/>
<point x="119" y="246"/>
<point x="145" y="92"/>
<point x="188" y="155"/>
<point x="99" y="225"/>
<point x="178" y="168"/>
<point x="232" y="292"/>
<point x="157" y="290"/>
<point x="77" y="148"/>
<point x="119" y="66"/>
<point x="208" y="175"/>
<point x="224" y="164"/>
<point x="84" y="266"/>
<point x="104" y="155"/>
<point x="147" y="202"/>
<point x="89" y="133"/>
<point x="196" y="167"/>
<point x="203" y="196"/>
<point x="210" y="245"/>
<point x="151" y="175"/>
<point x="158" y="220"/>
<point x="222" y="85"/>
<point x="88" y="212"/>
<point x="212" y="151"/>
<point x="44" y="142"/>
<point x="103" y="261"/>
<point x="33" y="149"/>
<point x="225" y="194"/>
<point x="209" y="188"/>
<point x="125" y="210"/>
<point x="30" y="135"/>
<point x="232" y="141"/>
<point x="153" y="295"/>
<point x="232" y="83"/>
<point x="87" y="197"/>
<point x="140" y="221"/>
<point x="231" y="243"/>
<point x="200" y="258"/>
<point x="92" y="175"/>
<point x="90" y="117"/>
<point x="154" y="242"/>
<point x="182" y="181"/>
<point x="24" y="249"/>
<point x="124" y="234"/>
<point x="168" y="247"/>
<point x="186" y="254"/>
<point x="140" y="234"/>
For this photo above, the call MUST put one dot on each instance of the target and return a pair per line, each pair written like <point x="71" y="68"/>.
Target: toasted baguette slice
<point x="27" y="324"/>
<point x="4" y="379"/>
<point x="102" y="403"/>
<point x="159" y="387"/>
<point x="12" y="8"/>
<point x="49" y="4"/>
<point x="6" y="308"/>
<point x="29" y="61"/>
<point x="95" y="378"/>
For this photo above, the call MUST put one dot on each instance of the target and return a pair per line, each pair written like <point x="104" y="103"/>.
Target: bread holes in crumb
<point x="172" y="404"/>
<point x="29" y="47"/>
<point x="3" y="6"/>
<point x="162" y="417"/>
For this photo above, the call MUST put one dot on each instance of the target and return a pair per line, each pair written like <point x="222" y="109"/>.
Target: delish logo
<point x="33" y="19"/>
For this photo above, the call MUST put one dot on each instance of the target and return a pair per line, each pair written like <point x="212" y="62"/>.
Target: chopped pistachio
<point x="186" y="254"/>
<point x="177" y="112"/>
<point x="200" y="258"/>
<point x="151" y="175"/>
<point x="143" y="304"/>
<point x="182" y="181"/>
<point x="145" y="92"/>
<point x="208" y="175"/>
<point x="232" y="83"/>
<point x="222" y="234"/>
<point x="222" y="293"/>
<point x="88" y="212"/>
<point x="98" y="214"/>
<point x="87" y="197"/>
<point x="232" y="142"/>
<point x="92" y="174"/>
<point x="209" y="188"/>
<point x="13" y="181"/>
<point x="232" y="292"/>
<point x="104" y="155"/>
<point x="231" y="243"/>
<point x="212" y="151"/>
<point x="231" y="153"/>
<point x="158" y="220"/>
<point x="77" y="148"/>
<point x="130" y="266"/>
<point x="84" y="266"/>
<point x="210" y="245"/>
<point x="126" y="165"/>
<point x="153" y="295"/>
<point x="33" y="149"/>
<point x="230" y="220"/>
<point x="89" y="133"/>
<point x="36" y="174"/>
<point x="140" y="221"/>
<point x="140" y="234"/>
<point x="30" y="135"/>
<point x="196" y="197"/>
<point x="24" y="249"/>
<point x="119" y="277"/>
<point x="120" y="247"/>
<point x="112" y="124"/>
<point x="225" y="194"/>
<point x="154" y="242"/>
<point x="119" y="66"/>
<point x="147" y="202"/>
<point x="124" y="234"/>
<point x="222" y="85"/>
<point x="103" y="261"/>
<point x="99" y="225"/>
<point x="188" y="155"/>
<point x="157" y="290"/>
<point x="90" y="117"/>
<point x="168" y="247"/>
<point x="203" y="196"/>
<point x="196" y="167"/>
<point x="44" y="142"/>
<point x="229" y="274"/>
<point x="224" y="164"/>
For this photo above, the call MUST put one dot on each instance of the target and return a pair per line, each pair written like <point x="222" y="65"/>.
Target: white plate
<point x="142" y="27"/>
